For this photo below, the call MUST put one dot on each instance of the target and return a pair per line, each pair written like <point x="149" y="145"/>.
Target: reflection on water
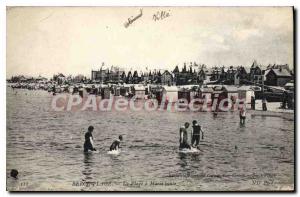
<point x="46" y="148"/>
<point x="88" y="162"/>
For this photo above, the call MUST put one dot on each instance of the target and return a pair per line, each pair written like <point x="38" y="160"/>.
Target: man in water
<point x="88" y="144"/>
<point x="184" y="136"/>
<point x="196" y="133"/>
<point x="116" y="144"/>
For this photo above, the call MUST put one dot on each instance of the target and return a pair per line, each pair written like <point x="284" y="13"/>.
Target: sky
<point x="74" y="40"/>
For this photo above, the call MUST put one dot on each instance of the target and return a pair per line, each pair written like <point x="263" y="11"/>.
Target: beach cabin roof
<point x="170" y="88"/>
<point x="256" y="88"/>
<point x="154" y="85"/>
<point x="276" y="88"/>
<point x="282" y="72"/>
<point x="189" y="87"/>
<point x="61" y="75"/>
<point x="40" y="78"/>
<point x="289" y="85"/>
<point x="245" y="88"/>
<point x="206" y="89"/>
<point x="218" y="88"/>
<point x="279" y="72"/>
<point x="247" y="69"/>
<point x="128" y="85"/>
<point x="103" y="85"/>
<point x="139" y="88"/>
<point x="230" y="88"/>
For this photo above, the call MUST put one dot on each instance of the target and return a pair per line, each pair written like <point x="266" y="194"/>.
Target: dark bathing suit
<point x="87" y="144"/>
<point x="242" y="115"/>
<point x="114" y="145"/>
<point x="183" y="139"/>
<point x="196" y="134"/>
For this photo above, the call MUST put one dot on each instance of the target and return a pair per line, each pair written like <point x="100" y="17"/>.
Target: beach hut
<point x="218" y="93"/>
<point x="155" y="92"/>
<point x="289" y="86"/>
<point x="192" y="89"/>
<point x="117" y="90"/>
<point x="205" y="93"/>
<point x="82" y="91"/>
<point x="170" y="93"/>
<point x="184" y="93"/>
<point x="245" y="93"/>
<point x="231" y="92"/>
<point x="123" y="91"/>
<point x="139" y="91"/>
<point x="187" y="92"/>
<point x="105" y="93"/>
<point x="129" y="88"/>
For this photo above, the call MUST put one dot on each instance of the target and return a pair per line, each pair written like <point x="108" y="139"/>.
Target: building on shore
<point x="167" y="78"/>
<point x="277" y="76"/>
<point x="195" y="74"/>
<point x="112" y="75"/>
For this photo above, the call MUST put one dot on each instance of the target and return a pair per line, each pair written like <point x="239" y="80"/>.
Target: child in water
<point x="116" y="144"/>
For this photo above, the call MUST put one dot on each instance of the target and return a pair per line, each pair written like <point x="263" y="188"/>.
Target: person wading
<point x="88" y="144"/>
<point x="196" y="132"/>
<point x="116" y="143"/>
<point x="264" y="104"/>
<point x="184" y="137"/>
<point x="242" y="116"/>
<point x="252" y="102"/>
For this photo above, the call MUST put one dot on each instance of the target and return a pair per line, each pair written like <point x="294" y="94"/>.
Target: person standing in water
<point x="242" y="116"/>
<point x="184" y="136"/>
<point x="116" y="144"/>
<point x="88" y="144"/>
<point x="264" y="104"/>
<point x="252" y="102"/>
<point x="196" y="132"/>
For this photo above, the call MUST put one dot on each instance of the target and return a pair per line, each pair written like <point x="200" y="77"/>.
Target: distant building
<point x="166" y="78"/>
<point x="100" y="75"/>
<point x="215" y="74"/>
<point x="135" y="77"/>
<point x="277" y="76"/>
<point x="79" y="79"/>
<point x="41" y="79"/>
<point x="146" y="77"/>
<point x="20" y="78"/>
<point x="201" y="77"/>
<point x="113" y="75"/>
<point x="256" y="73"/>
<point x="59" y="78"/>
<point x="129" y="78"/>
<point x="197" y="74"/>
<point x="230" y="75"/>
<point x="186" y="76"/>
<point x="242" y="76"/>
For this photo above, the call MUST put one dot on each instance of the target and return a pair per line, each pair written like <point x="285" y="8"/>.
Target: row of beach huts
<point x="141" y="91"/>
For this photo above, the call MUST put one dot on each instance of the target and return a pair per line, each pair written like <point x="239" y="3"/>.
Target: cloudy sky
<point x="72" y="40"/>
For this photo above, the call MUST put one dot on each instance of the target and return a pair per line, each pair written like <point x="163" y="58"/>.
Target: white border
<point x="4" y="3"/>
